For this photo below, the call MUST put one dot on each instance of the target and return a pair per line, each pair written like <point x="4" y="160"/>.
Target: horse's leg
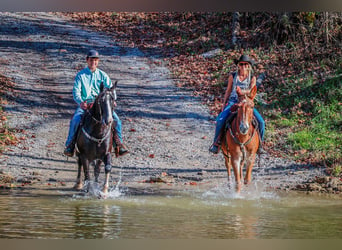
<point x="97" y="170"/>
<point x="242" y="164"/>
<point x="250" y="164"/>
<point x="79" y="184"/>
<point x="228" y="164"/>
<point x="108" y="168"/>
<point x="227" y="157"/>
<point x="236" y="167"/>
<point x="85" y="164"/>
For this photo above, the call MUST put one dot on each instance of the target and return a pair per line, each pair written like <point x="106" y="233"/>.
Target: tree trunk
<point x="235" y="28"/>
<point x="326" y="27"/>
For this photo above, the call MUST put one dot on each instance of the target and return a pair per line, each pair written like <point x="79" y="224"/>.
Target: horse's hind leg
<point x="79" y="185"/>
<point x="108" y="168"/>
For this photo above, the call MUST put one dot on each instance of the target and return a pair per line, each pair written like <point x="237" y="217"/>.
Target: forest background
<point x="299" y="52"/>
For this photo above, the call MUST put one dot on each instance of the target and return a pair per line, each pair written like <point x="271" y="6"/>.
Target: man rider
<point x="87" y="87"/>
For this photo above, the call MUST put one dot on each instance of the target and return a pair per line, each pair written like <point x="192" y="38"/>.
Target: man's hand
<point x="84" y="105"/>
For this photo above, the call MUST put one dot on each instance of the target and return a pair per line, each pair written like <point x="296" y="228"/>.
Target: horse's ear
<point x="101" y="87"/>
<point x="253" y="92"/>
<point x="114" y="85"/>
<point x="113" y="88"/>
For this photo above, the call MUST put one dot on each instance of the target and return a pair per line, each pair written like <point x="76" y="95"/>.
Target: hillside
<point x="300" y="54"/>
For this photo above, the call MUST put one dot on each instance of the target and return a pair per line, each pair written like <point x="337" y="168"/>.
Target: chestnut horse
<point x="241" y="139"/>
<point x="94" y="140"/>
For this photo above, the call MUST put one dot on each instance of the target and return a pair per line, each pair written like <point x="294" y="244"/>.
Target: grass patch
<point x="312" y="113"/>
<point x="284" y="122"/>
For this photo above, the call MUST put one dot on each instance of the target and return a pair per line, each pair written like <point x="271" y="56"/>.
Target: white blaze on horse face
<point x="108" y="118"/>
<point x="114" y="94"/>
<point x="244" y="126"/>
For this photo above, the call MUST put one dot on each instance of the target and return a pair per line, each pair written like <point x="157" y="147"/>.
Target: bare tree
<point x="235" y="28"/>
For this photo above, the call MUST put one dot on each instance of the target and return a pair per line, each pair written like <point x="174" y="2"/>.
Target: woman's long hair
<point x="250" y="72"/>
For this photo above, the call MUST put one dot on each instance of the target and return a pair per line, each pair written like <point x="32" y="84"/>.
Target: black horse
<point x="94" y="140"/>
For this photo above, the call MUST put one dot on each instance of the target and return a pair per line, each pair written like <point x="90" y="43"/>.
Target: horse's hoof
<point x="78" y="186"/>
<point x="102" y="196"/>
<point x="247" y="182"/>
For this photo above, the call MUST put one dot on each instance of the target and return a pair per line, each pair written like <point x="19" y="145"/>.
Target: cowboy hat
<point x="244" y="58"/>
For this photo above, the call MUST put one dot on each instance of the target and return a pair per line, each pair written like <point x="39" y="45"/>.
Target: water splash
<point x="115" y="192"/>
<point x="224" y="193"/>
<point x="93" y="189"/>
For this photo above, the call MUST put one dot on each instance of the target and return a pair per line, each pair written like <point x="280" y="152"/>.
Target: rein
<point x="93" y="117"/>
<point x="236" y="140"/>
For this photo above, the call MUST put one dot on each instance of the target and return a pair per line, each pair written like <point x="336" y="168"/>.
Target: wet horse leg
<point x="85" y="164"/>
<point x="97" y="170"/>
<point x="79" y="184"/>
<point x="250" y="164"/>
<point x="108" y="168"/>
<point x="228" y="164"/>
<point x="236" y="161"/>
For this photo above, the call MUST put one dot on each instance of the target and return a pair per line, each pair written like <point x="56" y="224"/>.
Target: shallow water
<point x="211" y="214"/>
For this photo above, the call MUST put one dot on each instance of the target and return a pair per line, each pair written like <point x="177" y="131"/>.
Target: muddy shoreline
<point x="167" y="129"/>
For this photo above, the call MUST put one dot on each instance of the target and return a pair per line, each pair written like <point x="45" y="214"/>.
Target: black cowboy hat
<point x="244" y="58"/>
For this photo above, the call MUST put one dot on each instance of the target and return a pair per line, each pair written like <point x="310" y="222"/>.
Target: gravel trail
<point x="166" y="128"/>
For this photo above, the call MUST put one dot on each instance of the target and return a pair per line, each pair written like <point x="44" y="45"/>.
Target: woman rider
<point x="244" y="80"/>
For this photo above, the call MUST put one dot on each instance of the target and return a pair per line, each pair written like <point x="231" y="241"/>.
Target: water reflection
<point x="210" y="215"/>
<point x="99" y="220"/>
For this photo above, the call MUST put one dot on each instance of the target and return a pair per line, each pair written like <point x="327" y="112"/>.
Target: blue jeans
<point x="76" y="120"/>
<point x="222" y="117"/>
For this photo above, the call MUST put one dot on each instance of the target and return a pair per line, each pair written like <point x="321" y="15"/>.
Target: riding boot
<point x="215" y="147"/>
<point x="119" y="148"/>
<point x="260" y="149"/>
<point x="69" y="150"/>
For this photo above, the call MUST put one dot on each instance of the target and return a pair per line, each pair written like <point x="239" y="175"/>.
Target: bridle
<point x="235" y="138"/>
<point x="98" y="103"/>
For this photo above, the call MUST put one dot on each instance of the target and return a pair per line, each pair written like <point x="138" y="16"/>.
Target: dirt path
<point x="168" y="131"/>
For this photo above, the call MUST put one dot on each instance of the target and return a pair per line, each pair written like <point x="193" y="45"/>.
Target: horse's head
<point x="105" y="103"/>
<point x="245" y="110"/>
